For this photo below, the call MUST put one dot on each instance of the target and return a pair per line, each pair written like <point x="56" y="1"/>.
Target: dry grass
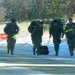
<point x="23" y="29"/>
<point x="1" y="28"/>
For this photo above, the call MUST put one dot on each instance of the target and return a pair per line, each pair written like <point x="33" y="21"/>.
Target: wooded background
<point x="25" y="10"/>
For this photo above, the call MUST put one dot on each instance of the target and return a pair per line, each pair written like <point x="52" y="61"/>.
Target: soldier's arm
<point x="34" y="31"/>
<point x="50" y="31"/>
<point x="6" y="30"/>
<point x="17" y="30"/>
<point x="62" y="32"/>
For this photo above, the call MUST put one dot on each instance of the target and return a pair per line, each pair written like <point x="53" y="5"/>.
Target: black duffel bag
<point x="44" y="50"/>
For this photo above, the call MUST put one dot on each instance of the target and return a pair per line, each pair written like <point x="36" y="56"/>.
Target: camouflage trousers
<point x="56" y="41"/>
<point x="71" y="45"/>
<point x="10" y="44"/>
<point x="36" y="44"/>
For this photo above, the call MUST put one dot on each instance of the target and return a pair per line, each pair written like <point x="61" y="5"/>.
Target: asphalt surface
<point x="22" y="64"/>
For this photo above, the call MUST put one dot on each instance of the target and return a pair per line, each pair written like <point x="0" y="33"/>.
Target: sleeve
<point x="41" y="31"/>
<point x="17" y="30"/>
<point x="6" y="30"/>
<point x="50" y="30"/>
<point x="34" y="30"/>
<point x="62" y="31"/>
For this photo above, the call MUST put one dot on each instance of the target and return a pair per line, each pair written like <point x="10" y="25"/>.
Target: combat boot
<point x="8" y="51"/>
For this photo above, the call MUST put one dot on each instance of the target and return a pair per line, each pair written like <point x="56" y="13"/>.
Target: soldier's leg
<point x="34" y="44"/>
<point x="71" y="49"/>
<point x="39" y="40"/>
<point x="57" y="43"/>
<point x="38" y="49"/>
<point x="8" y="46"/>
<point x="56" y="47"/>
<point x="71" y="46"/>
<point x="13" y="41"/>
<point x="34" y="49"/>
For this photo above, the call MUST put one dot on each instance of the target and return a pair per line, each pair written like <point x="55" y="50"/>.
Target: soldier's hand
<point x="49" y="36"/>
<point x="31" y="34"/>
<point x="62" y="36"/>
<point x="12" y="34"/>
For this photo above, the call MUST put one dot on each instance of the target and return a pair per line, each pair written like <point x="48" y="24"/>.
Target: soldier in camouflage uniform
<point x="70" y="35"/>
<point x="36" y="36"/>
<point x="56" y="30"/>
<point x="11" y="30"/>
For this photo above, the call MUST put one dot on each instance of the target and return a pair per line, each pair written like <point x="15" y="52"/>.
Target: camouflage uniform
<point x="55" y="31"/>
<point x="11" y="30"/>
<point x="71" y="37"/>
<point x="36" y="37"/>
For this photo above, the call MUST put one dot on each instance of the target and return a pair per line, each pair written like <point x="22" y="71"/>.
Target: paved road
<point x="36" y="65"/>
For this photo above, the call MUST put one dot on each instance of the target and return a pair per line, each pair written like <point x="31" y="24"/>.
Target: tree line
<point x="23" y="10"/>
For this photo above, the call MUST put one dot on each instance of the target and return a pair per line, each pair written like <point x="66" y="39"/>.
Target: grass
<point x="23" y="29"/>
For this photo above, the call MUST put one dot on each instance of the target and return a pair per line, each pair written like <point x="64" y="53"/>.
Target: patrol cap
<point x="70" y="19"/>
<point x="55" y="21"/>
<point x="41" y="22"/>
<point x="13" y="20"/>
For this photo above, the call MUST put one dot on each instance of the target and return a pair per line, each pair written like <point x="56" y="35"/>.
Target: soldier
<point x="56" y="30"/>
<point x="36" y="35"/>
<point x="11" y="30"/>
<point x="70" y="35"/>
